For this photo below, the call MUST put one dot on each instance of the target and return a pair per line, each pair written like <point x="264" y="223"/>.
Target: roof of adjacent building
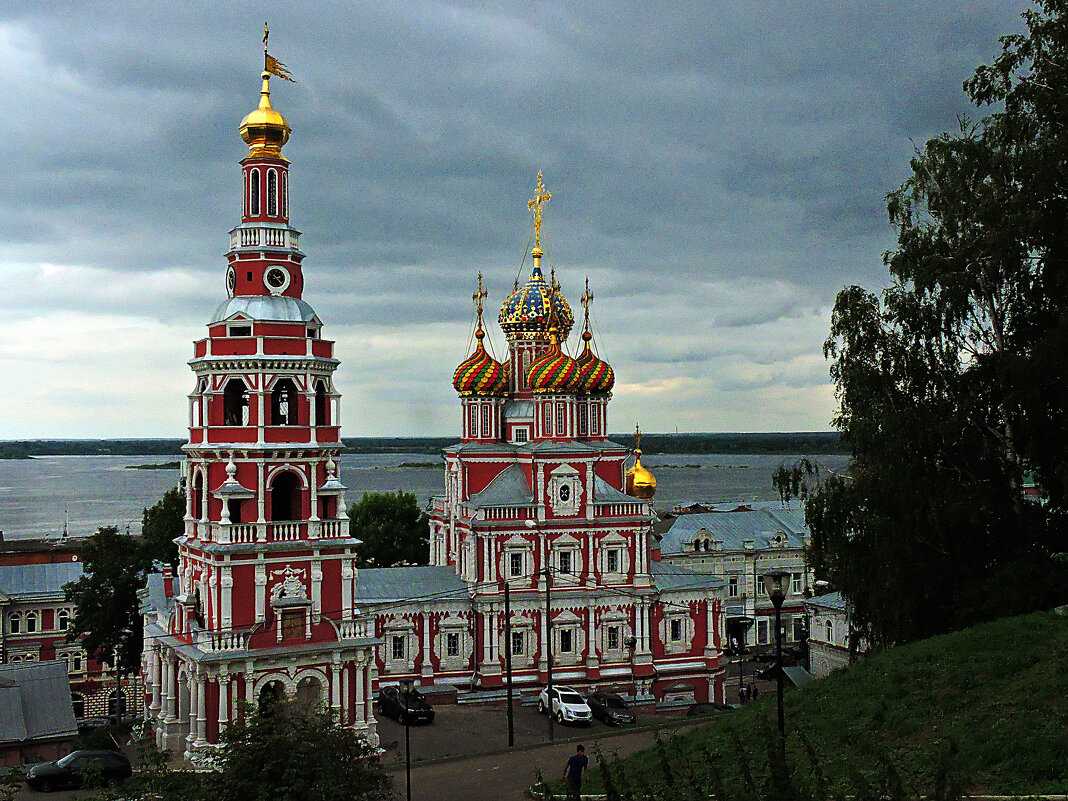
<point x="603" y="492"/>
<point x="35" y="702"/>
<point x="280" y="308"/>
<point x="509" y="488"/>
<point x="759" y="523"/>
<point x="154" y="596"/>
<point x="417" y="582"/>
<point x="832" y="600"/>
<point x="37" y="579"/>
<point x="668" y="576"/>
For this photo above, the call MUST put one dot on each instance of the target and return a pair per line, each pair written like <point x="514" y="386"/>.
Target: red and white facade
<point x="263" y="599"/>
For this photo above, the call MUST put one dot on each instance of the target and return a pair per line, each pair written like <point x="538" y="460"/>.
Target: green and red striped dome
<point x="480" y="373"/>
<point x="596" y="376"/>
<point x="553" y="371"/>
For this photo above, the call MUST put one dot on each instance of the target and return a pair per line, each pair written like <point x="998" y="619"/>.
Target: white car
<point x="567" y="707"/>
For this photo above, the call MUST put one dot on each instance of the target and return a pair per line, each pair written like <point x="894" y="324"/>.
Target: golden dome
<point x="264" y="130"/>
<point x="641" y="483"/>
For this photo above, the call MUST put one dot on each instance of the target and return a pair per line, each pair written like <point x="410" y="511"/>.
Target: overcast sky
<point x="718" y="170"/>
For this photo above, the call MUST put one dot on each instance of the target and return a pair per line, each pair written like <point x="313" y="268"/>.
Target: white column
<point x="591" y="642"/>
<point x="344" y="701"/>
<point x="202" y="707"/>
<point x="194" y="692"/>
<point x="317" y="588"/>
<point x="156" y="665"/>
<point x="427" y="669"/>
<point x="261" y="591"/>
<point x="313" y="486"/>
<point x="169" y="697"/>
<point x="368" y="682"/>
<point x="224" y="701"/>
<point x="347" y="574"/>
<point x="226" y="582"/>
<point x="358" y="676"/>
<point x="335" y="686"/>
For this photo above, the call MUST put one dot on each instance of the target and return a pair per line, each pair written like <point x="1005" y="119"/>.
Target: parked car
<point x="567" y="706"/>
<point x="610" y="708"/>
<point x="699" y="709"/>
<point x="71" y="770"/>
<point x="406" y="706"/>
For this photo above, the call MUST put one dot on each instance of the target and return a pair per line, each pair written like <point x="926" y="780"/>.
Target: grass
<point x="995" y="694"/>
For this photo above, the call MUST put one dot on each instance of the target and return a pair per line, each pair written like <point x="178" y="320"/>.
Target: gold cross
<point x="637" y="437"/>
<point x="478" y="296"/>
<point x="541" y="197"/>
<point x="266" y="36"/>
<point x="587" y="297"/>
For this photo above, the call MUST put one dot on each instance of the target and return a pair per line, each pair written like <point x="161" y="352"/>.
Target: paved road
<point x="505" y="777"/>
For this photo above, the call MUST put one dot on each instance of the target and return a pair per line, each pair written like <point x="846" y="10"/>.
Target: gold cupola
<point x="641" y="483"/>
<point x="264" y="130"/>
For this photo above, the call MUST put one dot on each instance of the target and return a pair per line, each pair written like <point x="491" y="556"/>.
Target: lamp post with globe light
<point x="775" y="584"/>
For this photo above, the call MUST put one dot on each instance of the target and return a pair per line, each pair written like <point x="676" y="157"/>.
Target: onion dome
<point x="530" y="307"/>
<point x="641" y="483"/>
<point x="596" y="377"/>
<point x="264" y="130"/>
<point x="480" y="373"/>
<point x="554" y="371"/>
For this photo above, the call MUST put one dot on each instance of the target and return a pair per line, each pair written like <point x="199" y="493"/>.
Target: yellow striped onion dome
<point x="596" y="376"/>
<point x="529" y="308"/>
<point x="554" y="370"/>
<point x="480" y="373"/>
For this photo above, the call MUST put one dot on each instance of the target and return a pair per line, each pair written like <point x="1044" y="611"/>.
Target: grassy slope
<point x="999" y="691"/>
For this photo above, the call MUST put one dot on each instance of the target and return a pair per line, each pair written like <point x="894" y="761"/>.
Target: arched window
<point x="285" y="497"/>
<point x="272" y="193"/>
<point x="285" y="195"/>
<point x="31" y="622"/>
<point x="254" y="193"/>
<point x="830" y="631"/>
<point x="117" y="704"/>
<point x="14" y="624"/>
<point x="271" y="694"/>
<point x="198" y="493"/>
<point x="235" y="403"/>
<point x="309" y="693"/>
<point x="284" y="403"/>
<point x="322" y="405"/>
<point x="63" y="619"/>
<point x="77" y="703"/>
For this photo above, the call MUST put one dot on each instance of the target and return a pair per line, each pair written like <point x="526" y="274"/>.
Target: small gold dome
<point x="264" y="130"/>
<point x="641" y="483"/>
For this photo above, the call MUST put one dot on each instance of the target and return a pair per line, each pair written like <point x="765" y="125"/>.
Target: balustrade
<point x="284" y="532"/>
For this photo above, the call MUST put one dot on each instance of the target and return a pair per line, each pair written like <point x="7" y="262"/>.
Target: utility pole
<point x="508" y="660"/>
<point x="549" y="648"/>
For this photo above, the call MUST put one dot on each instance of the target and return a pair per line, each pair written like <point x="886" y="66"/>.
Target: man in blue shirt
<point x="573" y="772"/>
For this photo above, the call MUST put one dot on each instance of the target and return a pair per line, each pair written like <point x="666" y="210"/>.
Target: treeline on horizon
<point x="794" y="443"/>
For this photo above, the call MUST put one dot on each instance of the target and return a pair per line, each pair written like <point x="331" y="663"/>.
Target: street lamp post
<point x="744" y="623"/>
<point x="775" y="584"/>
<point x="406" y="688"/>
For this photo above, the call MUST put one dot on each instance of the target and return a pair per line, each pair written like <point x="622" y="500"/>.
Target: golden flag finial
<point x="541" y="197"/>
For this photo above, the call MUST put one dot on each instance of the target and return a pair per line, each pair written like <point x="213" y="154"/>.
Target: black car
<point x="699" y="709"/>
<point x="406" y="706"/>
<point x="610" y="708"/>
<point x="71" y="770"/>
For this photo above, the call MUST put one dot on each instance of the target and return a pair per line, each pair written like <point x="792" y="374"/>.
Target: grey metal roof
<point x="381" y="584"/>
<point x="154" y="595"/>
<point x="832" y="600"/>
<point x="760" y="524"/>
<point x="509" y="488"/>
<point x="30" y="580"/>
<point x="35" y="701"/>
<point x="603" y="492"/>
<point x="676" y="577"/>
<point x="279" y="308"/>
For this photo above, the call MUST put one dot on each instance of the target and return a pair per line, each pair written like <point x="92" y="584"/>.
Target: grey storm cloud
<point x="718" y="170"/>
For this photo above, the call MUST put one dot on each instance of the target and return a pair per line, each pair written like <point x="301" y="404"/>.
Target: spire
<point x="264" y="130"/>
<point x="479" y="297"/>
<point x="535" y="204"/>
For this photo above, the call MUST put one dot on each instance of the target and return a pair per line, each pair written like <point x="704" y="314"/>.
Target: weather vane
<point x="541" y="197"/>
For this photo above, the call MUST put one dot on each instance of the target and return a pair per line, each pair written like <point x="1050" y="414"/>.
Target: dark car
<point x="610" y="708"/>
<point x="699" y="709"/>
<point x="71" y="770"/>
<point x="406" y="706"/>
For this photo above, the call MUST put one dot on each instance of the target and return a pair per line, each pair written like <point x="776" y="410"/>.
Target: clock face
<point x="276" y="278"/>
<point x="231" y="281"/>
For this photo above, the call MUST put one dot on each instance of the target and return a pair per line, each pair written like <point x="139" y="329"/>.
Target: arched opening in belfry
<point x="272" y="193"/>
<point x="271" y="695"/>
<point x="235" y="403"/>
<point x="254" y="193"/>
<point x="309" y="693"/>
<point x="198" y="494"/>
<point x="322" y="405"/>
<point x="285" y="497"/>
<point x="284" y="403"/>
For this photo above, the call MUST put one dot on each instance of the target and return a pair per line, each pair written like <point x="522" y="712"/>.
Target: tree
<point x="393" y="528"/>
<point x="954" y="381"/>
<point x="107" y="616"/>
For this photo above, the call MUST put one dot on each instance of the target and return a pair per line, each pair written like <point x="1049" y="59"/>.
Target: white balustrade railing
<point x="352" y="629"/>
<point x="619" y="509"/>
<point x="284" y="532"/>
<point x="269" y="237"/>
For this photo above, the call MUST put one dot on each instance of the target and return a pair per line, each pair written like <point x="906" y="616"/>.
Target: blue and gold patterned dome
<point x="528" y="309"/>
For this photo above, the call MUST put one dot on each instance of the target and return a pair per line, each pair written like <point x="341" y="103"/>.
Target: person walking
<point x="573" y="773"/>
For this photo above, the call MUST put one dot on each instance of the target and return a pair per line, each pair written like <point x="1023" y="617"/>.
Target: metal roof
<point x="603" y="492"/>
<point x="759" y="523"/>
<point x="35" y="702"/>
<point x="29" y="580"/>
<point x="509" y="488"/>
<point x="676" y="577"/>
<point x="418" y="582"/>
<point x="832" y="600"/>
<point x="281" y="308"/>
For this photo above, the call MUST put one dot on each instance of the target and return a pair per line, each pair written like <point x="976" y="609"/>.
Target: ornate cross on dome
<point x="637" y="438"/>
<point x="541" y="197"/>
<point x="478" y="297"/>
<point x="587" y="299"/>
